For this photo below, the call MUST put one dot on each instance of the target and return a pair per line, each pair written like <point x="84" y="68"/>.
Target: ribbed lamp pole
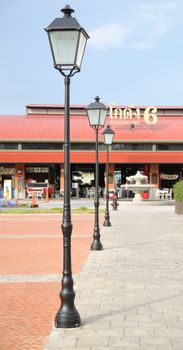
<point x="108" y="139"/>
<point x="67" y="42"/>
<point x="97" y="113"/>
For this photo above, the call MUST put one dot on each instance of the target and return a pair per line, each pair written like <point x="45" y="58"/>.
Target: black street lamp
<point x="67" y="41"/>
<point x="96" y="112"/>
<point x="108" y="138"/>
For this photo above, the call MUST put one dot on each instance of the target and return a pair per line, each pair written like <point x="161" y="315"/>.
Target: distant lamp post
<point x="108" y="138"/>
<point x="67" y="41"/>
<point x="97" y="113"/>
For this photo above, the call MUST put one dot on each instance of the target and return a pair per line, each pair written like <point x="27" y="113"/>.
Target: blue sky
<point x="134" y="55"/>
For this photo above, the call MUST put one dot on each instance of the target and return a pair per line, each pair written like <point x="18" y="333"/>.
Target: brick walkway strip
<point x="30" y="278"/>
<point x="41" y="236"/>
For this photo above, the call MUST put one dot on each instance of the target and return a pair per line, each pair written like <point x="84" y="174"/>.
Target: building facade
<point x="148" y="139"/>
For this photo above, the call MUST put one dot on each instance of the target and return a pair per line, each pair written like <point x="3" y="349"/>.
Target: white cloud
<point x="108" y="37"/>
<point x="155" y="12"/>
<point x="157" y="7"/>
<point x="157" y="18"/>
<point x="140" y="45"/>
<point x="146" y="26"/>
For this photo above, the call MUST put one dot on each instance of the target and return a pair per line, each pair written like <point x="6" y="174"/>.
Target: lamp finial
<point x="67" y="10"/>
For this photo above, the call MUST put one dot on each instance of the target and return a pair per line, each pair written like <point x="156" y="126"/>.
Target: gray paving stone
<point x="97" y="325"/>
<point x="156" y="341"/>
<point x="165" y="347"/>
<point x="171" y="333"/>
<point x="130" y="295"/>
<point x="92" y="341"/>
<point x="125" y="325"/>
<point x="124" y="341"/>
<point x="152" y="325"/>
<point x="69" y="348"/>
<point x="137" y="332"/>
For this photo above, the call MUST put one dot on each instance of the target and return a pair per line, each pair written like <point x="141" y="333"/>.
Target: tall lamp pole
<point x="67" y="42"/>
<point x="97" y="113"/>
<point x="108" y="138"/>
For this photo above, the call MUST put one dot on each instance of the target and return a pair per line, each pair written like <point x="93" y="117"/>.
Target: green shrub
<point x="178" y="191"/>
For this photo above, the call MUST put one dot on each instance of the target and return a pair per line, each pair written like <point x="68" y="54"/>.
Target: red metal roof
<point x="46" y="127"/>
<point x="84" y="106"/>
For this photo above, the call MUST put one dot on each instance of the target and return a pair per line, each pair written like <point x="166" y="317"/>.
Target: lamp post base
<point x="96" y="245"/>
<point x="107" y="222"/>
<point x="67" y="319"/>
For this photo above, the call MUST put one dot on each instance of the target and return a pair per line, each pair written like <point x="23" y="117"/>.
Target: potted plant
<point x="178" y="196"/>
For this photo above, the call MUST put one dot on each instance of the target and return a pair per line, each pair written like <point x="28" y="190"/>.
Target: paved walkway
<point x="130" y="295"/>
<point x="30" y="268"/>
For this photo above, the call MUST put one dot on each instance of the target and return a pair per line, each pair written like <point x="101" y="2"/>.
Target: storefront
<point x="148" y="139"/>
<point x="7" y="180"/>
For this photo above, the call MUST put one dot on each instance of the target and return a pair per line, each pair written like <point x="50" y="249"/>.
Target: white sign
<point x="169" y="177"/>
<point x="7" y="189"/>
<point x="132" y="116"/>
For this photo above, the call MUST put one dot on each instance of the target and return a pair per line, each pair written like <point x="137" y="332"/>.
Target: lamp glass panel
<point x="64" y="45"/>
<point x="81" y="47"/>
<point x="108" y="138"/>
<point x="103" y="114"/>
<point x="93" y="116"/>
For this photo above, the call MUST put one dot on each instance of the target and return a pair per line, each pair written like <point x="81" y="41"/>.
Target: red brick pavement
<point x="27" y="313"/>
<point x="28" y="309"/>
<point x="28" y="256"/>
<point x="43" y="223"/>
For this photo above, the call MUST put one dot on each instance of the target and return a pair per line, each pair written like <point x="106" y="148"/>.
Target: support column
<point x="62" y="179"/>
<point x="111" y="177"/>
<point x="154" y="180"/>
<point x="154" y="174"/>
<point x="146" y="169"/>
<point x="19" y="181"/>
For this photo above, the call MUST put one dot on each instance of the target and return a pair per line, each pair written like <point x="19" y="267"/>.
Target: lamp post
<point x="108" y="138"/>
<point x="67" y="42"/>
<point x="96" y="112"/>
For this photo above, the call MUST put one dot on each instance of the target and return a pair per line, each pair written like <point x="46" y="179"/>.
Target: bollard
<point x="34" y="201"/>
<point x="114" y="202"/>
